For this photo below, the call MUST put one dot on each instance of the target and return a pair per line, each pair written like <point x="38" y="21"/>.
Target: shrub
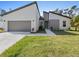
<point x="1" y="30"/>
<point x="41" y="28"/>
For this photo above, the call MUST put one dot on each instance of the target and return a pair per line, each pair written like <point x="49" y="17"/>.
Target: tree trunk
<point x="75" y="28"/>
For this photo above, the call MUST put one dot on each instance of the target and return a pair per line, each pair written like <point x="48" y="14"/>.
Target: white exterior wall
<point x="24" y="14"/>
<point x="37" y="19"/>
<point x="61" y="19"/>
<point x="2" y="23"/>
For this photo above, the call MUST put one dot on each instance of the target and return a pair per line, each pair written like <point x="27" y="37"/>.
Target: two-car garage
<point x="22" y="19"/>
<point x="20" y="26"/>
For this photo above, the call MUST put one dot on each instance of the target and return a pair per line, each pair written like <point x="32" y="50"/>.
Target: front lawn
<point x="60" y="45"/>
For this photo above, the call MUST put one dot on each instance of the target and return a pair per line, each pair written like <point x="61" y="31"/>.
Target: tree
<point x="73" y="7"/>
<point x="60" y="12"/>
<point x="56" y="10"/>
<point x="65" y="11"/>
<point x="76" y="22"/>
<point x="70" y="11"/>
<point x="76" y="11"/>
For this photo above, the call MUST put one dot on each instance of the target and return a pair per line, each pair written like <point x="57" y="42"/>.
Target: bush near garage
<point x="1" y="30"/>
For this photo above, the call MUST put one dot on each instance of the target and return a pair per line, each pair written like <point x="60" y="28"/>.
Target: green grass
<point x="60" y="45"/>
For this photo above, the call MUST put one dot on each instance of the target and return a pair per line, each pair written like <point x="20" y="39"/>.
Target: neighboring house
<point x="56" y="21"/>
<point x="25" y="18"/>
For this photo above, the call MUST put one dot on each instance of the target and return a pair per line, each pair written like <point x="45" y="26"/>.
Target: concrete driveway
<point x="7" y="39"/>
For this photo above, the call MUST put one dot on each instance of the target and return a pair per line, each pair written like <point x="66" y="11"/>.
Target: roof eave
<point x="60" y="14"/>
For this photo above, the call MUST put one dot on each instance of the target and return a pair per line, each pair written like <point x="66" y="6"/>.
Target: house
<point x="25" y="18"/>
<point x="56" y="21"/>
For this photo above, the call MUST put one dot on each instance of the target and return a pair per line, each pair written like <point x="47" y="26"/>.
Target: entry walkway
<point x="49" y="32"/>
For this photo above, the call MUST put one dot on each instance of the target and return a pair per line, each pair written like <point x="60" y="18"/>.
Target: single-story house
<point x="25" y="18"/>
<point x="56" y="21"/>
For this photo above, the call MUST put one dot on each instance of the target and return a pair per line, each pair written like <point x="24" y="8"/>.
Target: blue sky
<point x="43" y="5"/>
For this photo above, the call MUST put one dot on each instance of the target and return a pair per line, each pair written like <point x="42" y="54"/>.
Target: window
<point x="64" y="23"/>
<point x="32" y="29"/>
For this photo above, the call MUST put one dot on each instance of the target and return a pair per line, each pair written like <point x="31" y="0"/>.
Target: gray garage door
<point x="19" y="26"/>
<point x="54" y="24"/>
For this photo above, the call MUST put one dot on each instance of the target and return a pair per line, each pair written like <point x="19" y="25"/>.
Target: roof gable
<point x="21" y="8"/>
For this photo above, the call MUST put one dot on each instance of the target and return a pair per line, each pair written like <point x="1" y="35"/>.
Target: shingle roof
<point x="59" y="14"/>
<point x="21" y="8"/>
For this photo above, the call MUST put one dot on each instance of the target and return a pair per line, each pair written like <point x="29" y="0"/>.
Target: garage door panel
<point x="19" y="26"/>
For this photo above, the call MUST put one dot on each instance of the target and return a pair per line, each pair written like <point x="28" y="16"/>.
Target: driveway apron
<point x="8" y="39"/>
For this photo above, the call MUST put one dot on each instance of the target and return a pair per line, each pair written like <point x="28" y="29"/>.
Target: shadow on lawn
<point x="64" y="33"/>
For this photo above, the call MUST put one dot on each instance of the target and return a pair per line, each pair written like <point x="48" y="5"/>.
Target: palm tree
<point x="76" y="11"/>
<point x="56" y="10"/>
<point x="70" y="11"/>
<point x="73" y="7"/>
<point x="60" y="12"/>
<point x="65" y="11"/>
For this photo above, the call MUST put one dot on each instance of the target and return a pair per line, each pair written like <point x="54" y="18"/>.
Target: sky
<point x="43" y="5"/>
